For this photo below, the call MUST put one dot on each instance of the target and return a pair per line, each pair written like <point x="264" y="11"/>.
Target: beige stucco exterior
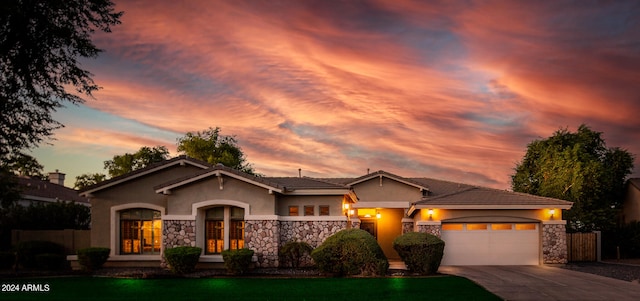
<point x="631" y="204"/>
<point x="386" y="205"/>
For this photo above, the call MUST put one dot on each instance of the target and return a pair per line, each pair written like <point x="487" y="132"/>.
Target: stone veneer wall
<point x="554" y="243"/>
<point x="312" y="232"/>
<point x="177" y="233"/>
<point x="431" y="229"/>
<point x="262" y="238"/>
<point x="407" y="227"/>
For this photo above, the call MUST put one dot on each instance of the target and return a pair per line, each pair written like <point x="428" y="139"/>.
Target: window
<point x="324" y="210"/>
<point x="293" y="210"/>
<point x="525" y="226"/>
<point x="219" y="238"/>
<point x="476" y="226"/>
<point x="450" y="227"/>
<point x="309" y="210"/>
<point x="501" y="226"/>
<point x="140" y="231"/>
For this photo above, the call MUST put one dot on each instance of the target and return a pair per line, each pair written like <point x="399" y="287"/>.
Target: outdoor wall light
<point x="430" y="212"/>
<point x="352" y="212"/>
<point x="345" y="206"/>
<point x="378" y="215"/>
<point x="552" y="212"/>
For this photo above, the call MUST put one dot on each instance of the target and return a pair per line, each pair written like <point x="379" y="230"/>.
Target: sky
<point x="451" y="90"/>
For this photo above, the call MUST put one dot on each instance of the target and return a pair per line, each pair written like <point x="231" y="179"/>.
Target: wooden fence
<point x="72" y="240"/>
<point x="582" y="246"/>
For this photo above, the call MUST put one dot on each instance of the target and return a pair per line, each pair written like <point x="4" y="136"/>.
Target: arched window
<point x="140" y="231"/>
<point x="217" y="236"/>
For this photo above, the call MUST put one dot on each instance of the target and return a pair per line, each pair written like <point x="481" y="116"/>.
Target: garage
<point x="491" y="243"/>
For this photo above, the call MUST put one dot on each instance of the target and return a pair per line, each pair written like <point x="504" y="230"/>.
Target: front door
<point x="370" y="226"/>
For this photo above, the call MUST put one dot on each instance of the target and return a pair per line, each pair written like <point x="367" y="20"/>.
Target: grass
<point x="308" y="289"/>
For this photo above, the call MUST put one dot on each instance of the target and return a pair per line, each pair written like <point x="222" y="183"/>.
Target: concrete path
<point x="545" y="283"/>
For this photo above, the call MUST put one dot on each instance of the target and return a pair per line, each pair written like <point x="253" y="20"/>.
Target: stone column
<point x="177" y="233"/>
<point x="262" y="236"/>
<point x="554" y="241"/>
<point x="431" y="227"/>
<point x="408" y="225"/>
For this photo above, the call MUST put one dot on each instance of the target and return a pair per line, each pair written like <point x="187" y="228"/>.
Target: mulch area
<point x="627" y="270"/>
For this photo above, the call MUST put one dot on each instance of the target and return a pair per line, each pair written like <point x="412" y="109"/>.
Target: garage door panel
<point x="491" y="247"/>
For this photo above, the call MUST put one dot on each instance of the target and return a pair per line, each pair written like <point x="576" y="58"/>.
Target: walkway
<point x="545" y="283"/>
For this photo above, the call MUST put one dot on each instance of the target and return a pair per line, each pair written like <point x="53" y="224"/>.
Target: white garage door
<point x="491" y="244"/>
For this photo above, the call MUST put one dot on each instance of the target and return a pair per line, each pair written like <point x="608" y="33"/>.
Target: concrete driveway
<point x="545" y="283"/>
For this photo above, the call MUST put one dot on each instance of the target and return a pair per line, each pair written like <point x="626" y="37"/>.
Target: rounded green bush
<point x="421" y="252"/>
<point x="293" y="252"/>
<point x="28" y="250"/>
<point x="48" y="261"/>
<point x="237" y="261"/>
<point x="93" y="258"/>
<point x="182" y="259"/>
<point x="351" y="252"/>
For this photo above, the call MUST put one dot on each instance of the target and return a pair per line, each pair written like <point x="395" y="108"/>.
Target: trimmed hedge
<point x="421" y="252"/>
<point x="237" y="261"/>
<point x="7" y="260"/>
<point x="93" y="258"/>
<point x="351" y="252"/>
<point x="292" y="253"/>
<point x="182" y="259"/>
<point x="28" y="251"/>
<point x="48" y="261"/>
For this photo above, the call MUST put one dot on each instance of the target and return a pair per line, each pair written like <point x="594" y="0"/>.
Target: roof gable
<point x="473" y="197"/>
<point x="383" y="174"/>
<point x="153" y="168"/>
<point x="218" y="171"/>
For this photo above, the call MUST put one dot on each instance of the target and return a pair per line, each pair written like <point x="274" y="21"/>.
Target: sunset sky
<point x="452" y="90"/>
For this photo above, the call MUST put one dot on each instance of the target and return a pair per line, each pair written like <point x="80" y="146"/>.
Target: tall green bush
<point x="237" y="261"/>
<point x="293" y="252"/>
<point x="93" y="258"/>
<point x="351" y="252"/>
<point x="421" y="252"/>
<point x="182" y="259"/>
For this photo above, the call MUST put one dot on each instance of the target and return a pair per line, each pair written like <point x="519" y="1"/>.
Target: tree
<point x="214" y="148"/>
<point x="86" y="180"/>
<point x="123" y="164"/>
<point x="577" y="167"/>
<point x="24" y="165"/>
<point x="40" y="44"/>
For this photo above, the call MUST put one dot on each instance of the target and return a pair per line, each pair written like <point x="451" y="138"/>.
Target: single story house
<point x="183" y="201"/>
<point x="631" y="202"/>
<point x="38" y="191"/>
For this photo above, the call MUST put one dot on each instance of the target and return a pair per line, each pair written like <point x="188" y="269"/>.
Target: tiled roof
<point x="305" y="183"/>
<point x="482" y="196"/>
<point x="220" y="167"/>
<point x="141" y="171"/>
<point x="45" y="189"/>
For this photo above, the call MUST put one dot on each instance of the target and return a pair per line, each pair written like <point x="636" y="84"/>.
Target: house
<point x="184" y="201"/>
<point x="35" y="190"/>
<point x="631" y="202"/>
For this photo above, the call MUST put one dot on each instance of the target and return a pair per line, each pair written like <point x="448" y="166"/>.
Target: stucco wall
<point x="631" y="205"/>
<point x="139" y="190"/>
<point x="333" y="201"/>
<point x="181" y="199"/>
<point x="390" y="191"/>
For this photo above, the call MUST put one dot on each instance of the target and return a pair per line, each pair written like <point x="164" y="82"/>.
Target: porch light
<point x="378" y="215"/>
<point x="352" y="212"/>
<point x="430" y="212"/>
<point x="345" y="206"/>
<point x="552" y="212"/>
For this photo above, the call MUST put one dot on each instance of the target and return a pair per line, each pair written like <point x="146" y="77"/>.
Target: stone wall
<point x="177" y="233"/>
<point x="431" y="229"/>
<point x="554" y="243"/>
<point x="407" y="227"/>
<point x="311" y="232"/>
<point x="262" y="238"/>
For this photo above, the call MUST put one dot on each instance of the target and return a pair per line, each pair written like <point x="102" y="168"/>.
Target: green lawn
<point x="331" y="289"/>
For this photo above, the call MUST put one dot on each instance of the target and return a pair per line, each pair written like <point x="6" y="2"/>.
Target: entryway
<point x="385" y="225"/>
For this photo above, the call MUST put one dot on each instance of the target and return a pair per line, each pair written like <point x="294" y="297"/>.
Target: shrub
<point x="48" y="261"/>
<point x="93" y="258"/>
<point x="292" y="252"/>
<point x="182" y="259"/>
<point x="350" y="252"/>
<point x="237" y="261"/>
<point x="421" y="252"/>
<point x="28" y="250"/>
<point x="7" y="260"/>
